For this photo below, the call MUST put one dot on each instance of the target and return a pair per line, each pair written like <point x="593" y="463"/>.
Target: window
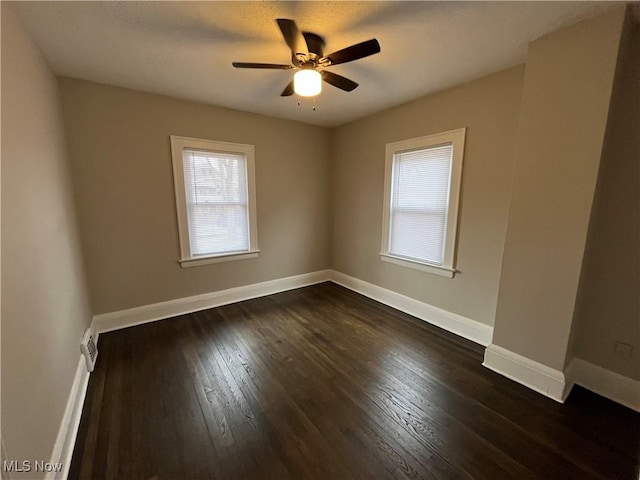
<point x="215" y="200"/>
<point x="422" y="189"/>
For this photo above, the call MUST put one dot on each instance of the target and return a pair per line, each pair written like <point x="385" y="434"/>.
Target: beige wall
<point x="44" y="301"/>
<point x="120" y="153"/>
<point x="488" y="108"/>
<point x="608" y="307"/>
<point x="567" y="89"/>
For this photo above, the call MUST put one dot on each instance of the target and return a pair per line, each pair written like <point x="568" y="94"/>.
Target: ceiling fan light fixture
<point x="307" y="54"/>
<point x="307" y="83"/>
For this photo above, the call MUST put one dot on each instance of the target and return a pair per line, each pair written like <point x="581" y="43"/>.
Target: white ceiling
<point x="185" y="49"/>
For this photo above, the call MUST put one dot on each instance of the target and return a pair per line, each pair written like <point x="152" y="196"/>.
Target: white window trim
<point x="457" y="138"/>
<point x="178" y="144"/>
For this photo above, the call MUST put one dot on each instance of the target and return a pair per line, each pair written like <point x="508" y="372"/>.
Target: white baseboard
<point x="532" y="374"/>
<point x="462" y="326"/>
<point x="611" y="385"/>
<point x="66" y="439"/>
<point x="457" y="324"/>
<point x="107" y="322"/>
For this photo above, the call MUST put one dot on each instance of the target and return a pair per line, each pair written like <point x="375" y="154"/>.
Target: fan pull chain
<point x="313" y="106"/>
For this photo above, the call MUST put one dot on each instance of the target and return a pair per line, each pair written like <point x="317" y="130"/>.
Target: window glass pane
<point x="216" y="195"/>
<point x="419" y="203"/>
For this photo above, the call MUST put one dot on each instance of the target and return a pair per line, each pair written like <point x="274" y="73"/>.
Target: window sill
<point x="224" y="257"/>
<point x="416" y="265"/>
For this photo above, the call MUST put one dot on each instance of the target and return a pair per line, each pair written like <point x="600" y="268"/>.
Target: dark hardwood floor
<point x="323" y="383"/>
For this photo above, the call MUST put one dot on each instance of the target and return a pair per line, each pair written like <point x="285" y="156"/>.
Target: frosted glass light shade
<point x="307" y="83"/>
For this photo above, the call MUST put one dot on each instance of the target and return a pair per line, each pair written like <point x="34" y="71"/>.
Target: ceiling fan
<point x="307" y="56"/>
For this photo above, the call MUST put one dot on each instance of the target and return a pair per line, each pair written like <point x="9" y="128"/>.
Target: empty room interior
<point x="312" y="240"/>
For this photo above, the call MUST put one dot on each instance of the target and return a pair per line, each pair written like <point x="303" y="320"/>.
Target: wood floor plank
<point x="433" y="429"/>
<point x="321" y="382"/>
<point x="251" y="372"/>
<point x="343" y="377"/>
<point x="352" y="444"/>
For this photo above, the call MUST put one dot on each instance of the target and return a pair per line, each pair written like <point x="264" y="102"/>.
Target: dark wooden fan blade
<point x="343" y="83"/>
<point x="294" y="39"/>
<point x="271" y="66"/>
<point x="354" y="52"/>
<point x="288" y="90"/>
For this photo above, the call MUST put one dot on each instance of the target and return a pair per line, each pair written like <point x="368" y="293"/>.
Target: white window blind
<point x="422" y="180"/>
<point x="217" y="201"/>
<point x="419" y="203"/>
